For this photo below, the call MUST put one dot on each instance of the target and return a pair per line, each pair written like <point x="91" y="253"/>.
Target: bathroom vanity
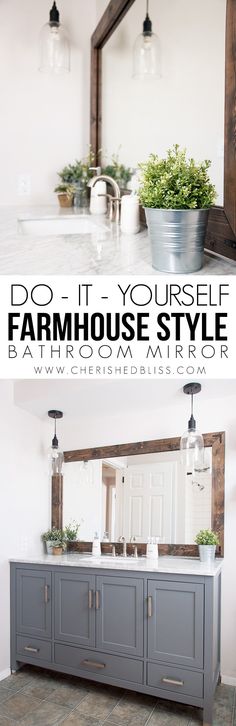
<point x="144" y="626"/>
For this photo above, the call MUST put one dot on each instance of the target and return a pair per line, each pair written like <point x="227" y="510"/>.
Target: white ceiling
<point x="86" y="398"/>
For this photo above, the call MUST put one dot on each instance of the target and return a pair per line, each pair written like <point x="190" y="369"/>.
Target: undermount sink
<point x="60" y="225"/>
<point x="107" y="558"/>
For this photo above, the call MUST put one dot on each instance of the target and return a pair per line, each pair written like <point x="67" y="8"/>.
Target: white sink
<point x="106" y="558"/>
<point x="60" y="225"/>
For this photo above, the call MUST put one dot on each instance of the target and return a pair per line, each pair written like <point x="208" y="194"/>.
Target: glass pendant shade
<point x="54" y="46"/>
<point x="147" y="57"/>
<point x="192" y="442"/>
<point x="55" y="453"/>
<point x="192" y="449"/>
<point x="147" y="52"/>
<point x="56" y="459"/>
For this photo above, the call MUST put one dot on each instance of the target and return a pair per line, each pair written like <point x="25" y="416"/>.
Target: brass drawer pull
<point x="46" y="594"/>
<point x="172" y="682"/>
<point x="149" y="606"/>
<point x="97" y="599"/>
<point x="93" y="664"/>
<point x="30" y="649"/>
<point x="90" y="599"/>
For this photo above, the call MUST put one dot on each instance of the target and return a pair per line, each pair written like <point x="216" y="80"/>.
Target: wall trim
<point x="5" y="674"/>
<point x="228" y="680"/>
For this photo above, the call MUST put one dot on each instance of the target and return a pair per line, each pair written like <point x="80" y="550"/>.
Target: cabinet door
<point x="175" y="622"/>
<point x="74" y="608"/>
<point x="119" y="614"/>
<point x="33" y="602"/>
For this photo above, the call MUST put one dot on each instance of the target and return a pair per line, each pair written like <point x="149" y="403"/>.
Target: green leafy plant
<point x="207" y="537"/>
<point x="121" y="173"/>
<point x="54" y="535"/>
<point x="77" y="172"/>
<point x="68" y="189"/>
<point x="71" y="531"/>
<point x="176" y="182"/>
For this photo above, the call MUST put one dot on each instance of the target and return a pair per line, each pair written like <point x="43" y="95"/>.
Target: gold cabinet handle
<point x="97" y="599"/>
<point x="46" y="598"/>
<point x="93" y="664"/>
<point x="30" y="649"/>
<point x="90" y="599"/>
<point x="172" y="681"/>
<point x="149" y="606"/>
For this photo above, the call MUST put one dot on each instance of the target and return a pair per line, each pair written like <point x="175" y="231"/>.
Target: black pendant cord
<point x="147" y="25"/>
<point x="192" y="422"/>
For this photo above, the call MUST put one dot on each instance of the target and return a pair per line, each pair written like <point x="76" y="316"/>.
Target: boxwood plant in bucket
<point x="176" y="194"/>
<point x="207" y="542"/>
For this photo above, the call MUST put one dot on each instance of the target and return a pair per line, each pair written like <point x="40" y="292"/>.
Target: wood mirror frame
<point x="214" y="440"/>
<point x="221" y="229"/>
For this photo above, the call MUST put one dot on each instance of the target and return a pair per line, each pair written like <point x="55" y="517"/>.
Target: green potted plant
<point x="121" y="173"/>
<point x="53" y="538"/>
<point x="60" y="545"/>
<point x="65" y="193"/>
<point x="74" y="180"/>
<point x="176" y="193"/>
<point x="207" y="542"/>
<point x="71" y="532"/>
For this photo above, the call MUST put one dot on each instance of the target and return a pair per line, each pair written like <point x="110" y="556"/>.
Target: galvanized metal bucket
<point x="177" y="238"/>
<point x="207" y="553"/>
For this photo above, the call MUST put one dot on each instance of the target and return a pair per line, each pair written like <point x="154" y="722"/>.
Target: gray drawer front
<point x="33" y="648"/>
<point x="91" y="661"/>
<point x="180" y="680"/>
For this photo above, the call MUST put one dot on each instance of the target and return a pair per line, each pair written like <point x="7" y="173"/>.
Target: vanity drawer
<point x="90" y="661"/>
<point x="33" y="648"/>
<point x="174" y="679"/>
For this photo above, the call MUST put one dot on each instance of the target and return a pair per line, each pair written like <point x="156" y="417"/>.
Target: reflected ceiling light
<point x="147" y="52"/>
<point x="56" y="455"/>
<point x="54" y="45"/>
<point x="191" y="442"/>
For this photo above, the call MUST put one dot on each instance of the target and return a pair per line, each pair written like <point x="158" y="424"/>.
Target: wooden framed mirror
<point x="221" y="230"/>
<point x="213" y="496"/>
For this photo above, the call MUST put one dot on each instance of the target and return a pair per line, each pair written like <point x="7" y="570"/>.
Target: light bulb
<point x="54" y="46"/>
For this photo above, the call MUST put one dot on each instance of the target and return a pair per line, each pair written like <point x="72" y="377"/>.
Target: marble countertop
<point x="107" y="252"/>
<point x="169" y="565"/>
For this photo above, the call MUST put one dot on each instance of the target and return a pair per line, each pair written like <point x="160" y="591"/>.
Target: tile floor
<point x="35" y="697"/>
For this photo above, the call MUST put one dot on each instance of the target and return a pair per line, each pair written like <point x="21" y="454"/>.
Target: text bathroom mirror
<point x="186" y="105"/>
<point x="149" y="495"/>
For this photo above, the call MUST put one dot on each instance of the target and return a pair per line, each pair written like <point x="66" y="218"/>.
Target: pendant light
<point x="56" y="456"/>
<point x="54" y="45"/>
<point x="147" y="52"/>
<point x="191" y="442"/>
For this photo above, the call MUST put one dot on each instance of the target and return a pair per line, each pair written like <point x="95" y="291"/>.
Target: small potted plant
<point x="52" y="537"/>
<point x="71" y="532"/>
<point x="176" y="194"/>
<point x="207" y="542"/>
<point x="65" y="193"/>
<point x="60" y="545"/>
<point x="121" y="173"/>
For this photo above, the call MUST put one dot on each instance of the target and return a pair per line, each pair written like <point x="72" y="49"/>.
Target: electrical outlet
<point x="24" y="185"/>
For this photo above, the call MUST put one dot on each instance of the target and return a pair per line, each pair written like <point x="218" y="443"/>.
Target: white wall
<point x="186" y="106"/>
<point x="24" y="499"/>
<point x="44" y="118"/>
<point x="212" y="415"/>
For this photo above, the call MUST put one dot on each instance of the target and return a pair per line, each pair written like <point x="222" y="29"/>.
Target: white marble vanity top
<point x="169" y="565"/>
<point x="104" y="252"/>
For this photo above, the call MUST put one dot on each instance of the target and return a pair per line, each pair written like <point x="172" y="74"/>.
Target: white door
<point x="147" y="501"/>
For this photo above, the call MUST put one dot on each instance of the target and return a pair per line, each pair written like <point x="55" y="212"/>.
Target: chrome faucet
<point x="114" y="201"/>
<point x="122" y="539"/>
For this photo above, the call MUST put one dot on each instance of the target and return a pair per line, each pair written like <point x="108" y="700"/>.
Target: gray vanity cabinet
<point x="33" y="602"/>
<point x="176" y="622"/>
<point x="74" y="608"/>
<point x="119" y="616"/>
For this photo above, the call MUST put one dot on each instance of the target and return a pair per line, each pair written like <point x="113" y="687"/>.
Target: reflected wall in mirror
<point x="149" y="495"/>
<point x="186" y="106"/>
